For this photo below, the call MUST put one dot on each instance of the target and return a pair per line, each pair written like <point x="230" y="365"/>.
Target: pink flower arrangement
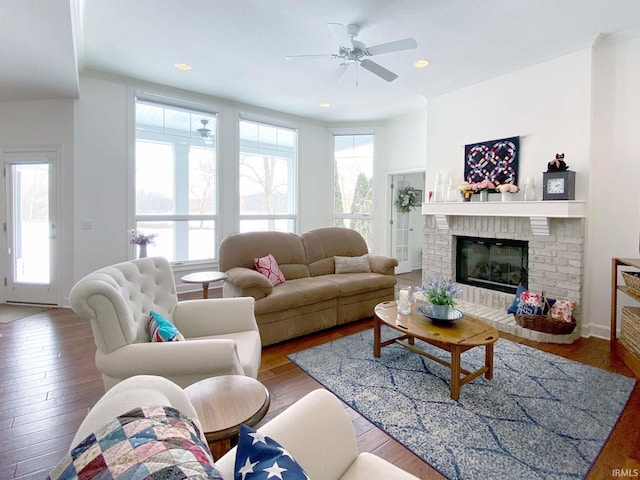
<point x="483" y="185"/>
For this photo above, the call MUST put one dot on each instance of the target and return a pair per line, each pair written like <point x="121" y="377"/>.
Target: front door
<point x="31" y="227"/>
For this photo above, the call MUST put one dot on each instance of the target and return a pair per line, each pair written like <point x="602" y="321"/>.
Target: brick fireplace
<point x="555" y="237"/>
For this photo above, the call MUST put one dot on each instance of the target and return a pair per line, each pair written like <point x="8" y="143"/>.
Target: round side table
<point x="223" y="404"/>
<point x="204" y="278"/>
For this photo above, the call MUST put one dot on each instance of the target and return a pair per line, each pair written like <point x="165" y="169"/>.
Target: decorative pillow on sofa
<point x="259" y="457"/>
<point x="161" y="329"/>
<point x="268" y="267"/>
<point x="563" y="310"/>
<point x="527" y="303"/>
<point x="352" y="264"/>
<point x="147" y="442"/>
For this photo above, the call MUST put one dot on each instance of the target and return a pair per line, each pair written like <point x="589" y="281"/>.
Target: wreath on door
<point x="407" y="199"/>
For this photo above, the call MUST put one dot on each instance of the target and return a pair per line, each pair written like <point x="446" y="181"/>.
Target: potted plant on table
<point x="441" y="293"/>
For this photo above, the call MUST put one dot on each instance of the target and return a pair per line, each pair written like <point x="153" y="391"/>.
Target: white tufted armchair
<point x="222" y="334"/>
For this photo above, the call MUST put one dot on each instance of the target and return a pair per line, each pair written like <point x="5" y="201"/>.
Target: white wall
<point x="547" y="105"/>
<point x="45" y="123"/>
<point x="614" y="205"/>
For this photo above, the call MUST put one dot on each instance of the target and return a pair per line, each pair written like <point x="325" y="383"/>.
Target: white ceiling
<point x="237" y="48"/>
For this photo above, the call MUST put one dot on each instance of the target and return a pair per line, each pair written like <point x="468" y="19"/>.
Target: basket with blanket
<point x="542" y="314"/>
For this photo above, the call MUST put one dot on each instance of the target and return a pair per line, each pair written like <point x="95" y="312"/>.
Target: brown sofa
<point x="313" y="297"/>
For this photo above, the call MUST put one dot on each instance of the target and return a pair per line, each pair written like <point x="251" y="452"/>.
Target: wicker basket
<point x="630" y="330"/>
<point x="632" y="281"/>
<point x="545" y="323"/>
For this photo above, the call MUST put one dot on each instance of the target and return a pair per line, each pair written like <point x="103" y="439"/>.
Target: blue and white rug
<point x="541" y="417"/>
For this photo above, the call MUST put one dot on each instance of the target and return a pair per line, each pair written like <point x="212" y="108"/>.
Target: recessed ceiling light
<point x="182" y="66"/>
<point x="421" y="63"/>
<point x="325" y="104"/>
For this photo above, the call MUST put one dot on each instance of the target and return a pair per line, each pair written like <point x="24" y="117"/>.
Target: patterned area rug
<point x="541" y="417"/>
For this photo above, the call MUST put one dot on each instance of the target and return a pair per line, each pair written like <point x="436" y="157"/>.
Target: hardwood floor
<point x="49" y="380"/>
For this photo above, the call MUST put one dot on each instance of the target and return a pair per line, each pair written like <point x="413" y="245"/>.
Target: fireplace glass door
<point x="493" y="263"/>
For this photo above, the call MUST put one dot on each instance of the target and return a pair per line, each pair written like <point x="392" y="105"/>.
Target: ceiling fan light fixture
<point x="421" y="63"/>
<point x="182" y="66"/>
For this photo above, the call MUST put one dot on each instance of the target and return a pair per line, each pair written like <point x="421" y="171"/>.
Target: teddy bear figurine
<point x="558" y="164"/>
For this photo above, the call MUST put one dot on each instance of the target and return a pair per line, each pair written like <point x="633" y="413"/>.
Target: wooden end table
<point x="205" y="278"/>
<point x="454" y="337"/>
<point x="223" y="403"/>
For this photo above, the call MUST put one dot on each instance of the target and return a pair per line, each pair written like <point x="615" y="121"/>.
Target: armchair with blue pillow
<point x="139" y="326"/>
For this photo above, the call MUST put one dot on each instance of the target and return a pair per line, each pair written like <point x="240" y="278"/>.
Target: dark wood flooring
<point x="48" y="381"/>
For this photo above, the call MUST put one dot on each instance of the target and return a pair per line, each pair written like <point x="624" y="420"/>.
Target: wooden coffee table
<point x="454" y="337"/>
<point x="223" y="404"/>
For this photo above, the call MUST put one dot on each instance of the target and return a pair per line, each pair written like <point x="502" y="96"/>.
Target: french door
<point x="30" y="227"/>
<point x="400" y="227"/>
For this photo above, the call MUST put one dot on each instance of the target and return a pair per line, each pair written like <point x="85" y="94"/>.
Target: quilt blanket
<point x="152" y="442"/>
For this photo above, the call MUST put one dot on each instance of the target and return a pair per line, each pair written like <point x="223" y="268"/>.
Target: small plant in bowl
<point x="441" y="293"/>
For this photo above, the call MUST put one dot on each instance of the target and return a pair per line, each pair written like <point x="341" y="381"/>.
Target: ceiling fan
<point x="204" y="132"/>
<point x="352" y="51"/>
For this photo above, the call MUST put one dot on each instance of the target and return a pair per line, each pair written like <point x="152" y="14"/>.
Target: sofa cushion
<point x="261" y="457"/>
<point x="239" y="250"/>
<point x="322" y="244"/>
<point x="352" y="264"/>
<point x="268" y="266"/>
<point x="297" y="293"/>
<point x="357" y="283"/>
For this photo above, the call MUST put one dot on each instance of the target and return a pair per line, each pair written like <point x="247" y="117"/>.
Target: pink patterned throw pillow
<point x="268" y="267"/>
<point x="562" y="310"/>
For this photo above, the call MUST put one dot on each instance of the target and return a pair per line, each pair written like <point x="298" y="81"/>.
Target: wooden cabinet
<point x="632" y="362"/>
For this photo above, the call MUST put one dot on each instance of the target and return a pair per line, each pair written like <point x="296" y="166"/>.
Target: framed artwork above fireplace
<point x="493" y="160"/>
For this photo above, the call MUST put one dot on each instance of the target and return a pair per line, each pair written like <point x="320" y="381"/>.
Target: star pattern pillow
<point x="259" y="457"/>
<point x="268" y="267"/>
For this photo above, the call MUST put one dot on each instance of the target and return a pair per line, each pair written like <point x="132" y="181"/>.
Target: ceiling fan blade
<point x="337" y="73"/>
<point x="311" y="57"/>
<point x="378" y="70"/>
<point x="406" y="44"/>
<point x="341" y="35"/>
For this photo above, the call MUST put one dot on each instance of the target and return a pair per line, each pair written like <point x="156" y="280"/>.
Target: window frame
<point x="336" y="216"/>
<point x="192" y="108"/>
<point x="293" y="178"/>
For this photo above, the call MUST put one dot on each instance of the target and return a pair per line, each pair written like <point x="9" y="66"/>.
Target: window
<point x="175" y="180"/>
<point x="267" y="177"/>
<point x="353" y="183"/>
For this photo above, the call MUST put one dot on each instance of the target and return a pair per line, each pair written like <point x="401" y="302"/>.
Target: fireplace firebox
<point x="493" y="263"/>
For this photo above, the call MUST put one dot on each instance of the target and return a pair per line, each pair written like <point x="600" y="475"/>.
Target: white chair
<point x="316" y="430"/>
<point x="222" y="336"/>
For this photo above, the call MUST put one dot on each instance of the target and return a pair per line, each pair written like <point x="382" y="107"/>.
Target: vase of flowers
<point x="507" y="190"/>
<point x="466" y="190"/>
<point x="441" y="293"/>
<point x="142" y="240"/>
<point x="483" y="188"/>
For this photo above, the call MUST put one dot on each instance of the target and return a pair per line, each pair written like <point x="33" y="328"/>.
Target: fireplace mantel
<point x="537" y="212"/>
